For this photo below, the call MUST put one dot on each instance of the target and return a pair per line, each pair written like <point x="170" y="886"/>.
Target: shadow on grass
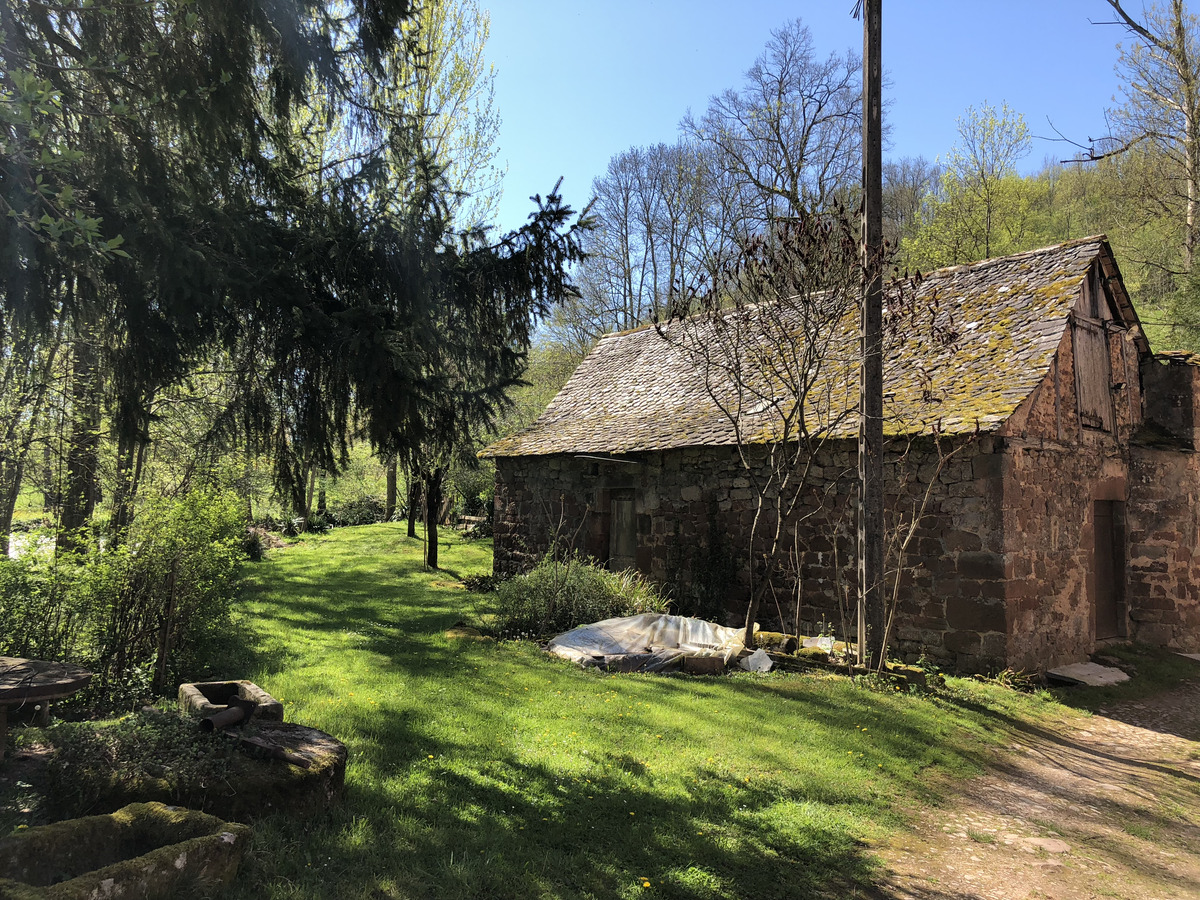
<point x="506" y="829"/>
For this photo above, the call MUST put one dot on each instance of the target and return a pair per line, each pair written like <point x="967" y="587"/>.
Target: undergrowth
<point x="563" y="593"/>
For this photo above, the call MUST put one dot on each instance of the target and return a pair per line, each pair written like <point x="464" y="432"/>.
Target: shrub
<point x="38" y="618"/>
<point x="561" y="594"/>
<point x="359" y="511"/>
<point x="162" y="598"/>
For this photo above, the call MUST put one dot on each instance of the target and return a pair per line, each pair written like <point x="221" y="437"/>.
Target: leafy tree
<point x="250" y="158"/>
<point x="1161" y="69"/>
<point x="982" y="207"/>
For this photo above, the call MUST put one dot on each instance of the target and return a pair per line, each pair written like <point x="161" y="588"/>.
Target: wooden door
<point x="1108" y="569"/>
<point x="622" y="534"/>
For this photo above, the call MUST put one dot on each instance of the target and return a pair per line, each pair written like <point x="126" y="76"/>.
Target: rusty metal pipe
<point x="236" y="712"/>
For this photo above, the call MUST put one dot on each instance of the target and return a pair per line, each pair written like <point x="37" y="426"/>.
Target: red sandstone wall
<point x="1054" y="470"/>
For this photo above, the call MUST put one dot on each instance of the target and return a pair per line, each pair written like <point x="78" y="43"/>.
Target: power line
<point x="1171" y="324"/>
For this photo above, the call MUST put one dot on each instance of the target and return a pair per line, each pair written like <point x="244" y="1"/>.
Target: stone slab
<point x="1195" y="656"/>
<point x="1092" y="674"/>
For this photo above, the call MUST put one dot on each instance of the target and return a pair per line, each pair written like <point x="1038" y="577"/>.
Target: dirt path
<point x="1110" y="809"/>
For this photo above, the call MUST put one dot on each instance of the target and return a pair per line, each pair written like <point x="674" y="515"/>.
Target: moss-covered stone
<point x="145" y="850"/>
<point x="775" y="640"/>
<point x="815" y="654"/>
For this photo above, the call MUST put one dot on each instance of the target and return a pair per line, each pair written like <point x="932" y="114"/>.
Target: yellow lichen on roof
<point x="638" y="391"/>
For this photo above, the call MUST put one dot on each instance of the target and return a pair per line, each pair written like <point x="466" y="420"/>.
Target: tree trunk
<point x="413" y="496"/>
<point x="11" y="474"/>
<point x="81" y="493"/>
<point x="432" y="484"/>
<point x="389" y="505"/>
<point x="131" y="459"/>
<point x="308" y="496"/>
<point x="50" y="495"/>
<point x="321" y="494"/>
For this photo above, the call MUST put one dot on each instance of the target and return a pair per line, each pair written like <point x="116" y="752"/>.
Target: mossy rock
<point x="910" y="675"/>
<point x="775" y="640"/>
<point x="249" y="786"/>
<point x="145" y="850"/>
<point x="813" y="654"/>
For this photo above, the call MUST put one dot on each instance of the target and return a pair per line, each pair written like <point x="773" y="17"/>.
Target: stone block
<point x="961" y="642"/>
<point x="1159" y="635"/>
<point x="973" y="614"/>
<point x="206" y="698"/>
<point x="962" y="540"/>
<point x="981" y="565"/>
<point x="145" y="850"/>
<point x="994" y="645"/>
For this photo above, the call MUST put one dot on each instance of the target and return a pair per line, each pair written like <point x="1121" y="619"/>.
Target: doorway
<point x="1108" y="568"/>
<point x="622" y="533"/>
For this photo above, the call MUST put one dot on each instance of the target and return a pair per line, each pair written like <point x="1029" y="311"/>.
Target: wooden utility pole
<point x="870" y="434"/>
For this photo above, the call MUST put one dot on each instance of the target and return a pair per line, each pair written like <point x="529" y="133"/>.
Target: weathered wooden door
<point x="622" y="535"/>
<point x="1108" y="571"/>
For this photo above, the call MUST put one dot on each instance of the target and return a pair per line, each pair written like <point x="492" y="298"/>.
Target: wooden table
<point x="25" y="681"/>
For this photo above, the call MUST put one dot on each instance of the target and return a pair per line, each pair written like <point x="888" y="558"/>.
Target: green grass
<point x="482" y="769"/>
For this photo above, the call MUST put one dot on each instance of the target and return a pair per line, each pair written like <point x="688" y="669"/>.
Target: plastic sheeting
<point x="647" y="643"/>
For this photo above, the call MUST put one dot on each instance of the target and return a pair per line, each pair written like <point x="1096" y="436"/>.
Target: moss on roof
<point x="638" y="391"/>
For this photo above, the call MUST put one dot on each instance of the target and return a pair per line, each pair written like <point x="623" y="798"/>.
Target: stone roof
<point x="640" y="390"/>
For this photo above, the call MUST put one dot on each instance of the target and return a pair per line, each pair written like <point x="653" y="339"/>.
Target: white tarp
<point x="650" y="642"/>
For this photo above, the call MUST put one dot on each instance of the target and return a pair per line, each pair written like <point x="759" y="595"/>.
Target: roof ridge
<point x="1024" y="254"/>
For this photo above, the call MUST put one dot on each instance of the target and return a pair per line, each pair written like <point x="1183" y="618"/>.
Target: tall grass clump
<point x="563" y="593"/>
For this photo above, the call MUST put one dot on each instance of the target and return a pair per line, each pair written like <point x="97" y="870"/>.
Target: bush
<point x="38" y="618"/>
<point x="162" y="598"/>
<point x="561" y="594"/>
<point x="359" y="511"/>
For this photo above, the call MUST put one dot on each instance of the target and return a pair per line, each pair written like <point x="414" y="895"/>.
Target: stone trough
<point x="144" y="851"/>
<point x="205" y="698"/>
<point x="284" y="767"/>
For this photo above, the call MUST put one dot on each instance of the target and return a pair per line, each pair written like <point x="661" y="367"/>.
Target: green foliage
<point x="165" y="594"/>
<point x="148" y="754"/>
<point x="38" y="618"/>
<point x="152" y="610"/>
<point x="358" y="511"/>
<point x="563" y="593"/>
<point x="982" y="207"/>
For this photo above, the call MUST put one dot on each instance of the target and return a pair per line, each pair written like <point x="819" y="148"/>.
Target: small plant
<point x="359" y="511"/>
<point x="563" y="593"/>
<point x="1015" y="680"/>
<point x="482" y="584"/>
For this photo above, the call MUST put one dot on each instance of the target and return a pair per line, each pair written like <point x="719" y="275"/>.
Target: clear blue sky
<point x="578" y="82"/>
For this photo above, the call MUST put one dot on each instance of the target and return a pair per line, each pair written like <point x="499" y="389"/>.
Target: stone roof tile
<point x="637" y="391"/>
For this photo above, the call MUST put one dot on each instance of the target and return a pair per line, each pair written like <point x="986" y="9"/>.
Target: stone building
<point x="1054" y="452"/>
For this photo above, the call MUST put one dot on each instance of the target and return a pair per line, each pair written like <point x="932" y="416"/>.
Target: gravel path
<point x="1110" y="809"/>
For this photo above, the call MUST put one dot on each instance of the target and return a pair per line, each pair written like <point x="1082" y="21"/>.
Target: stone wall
<point x="696" y="503"/>
<point x="1163" y="541"/>
<point x="1054" y="472"/>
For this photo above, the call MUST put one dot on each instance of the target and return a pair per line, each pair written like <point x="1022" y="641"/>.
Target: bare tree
<point x="790" y="137"/>
<point x="906" y="183"/>
<point x="1161" y="69"/>
<point x="770" y="342"/>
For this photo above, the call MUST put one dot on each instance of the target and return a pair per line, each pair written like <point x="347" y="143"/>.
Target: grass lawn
<point x="480" y="769"/>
